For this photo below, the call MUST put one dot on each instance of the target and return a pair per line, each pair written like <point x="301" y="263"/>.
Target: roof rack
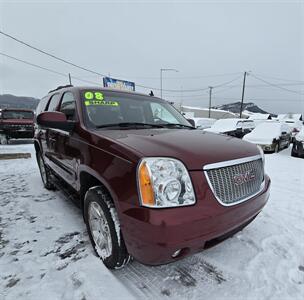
<point x="61" y="87"/>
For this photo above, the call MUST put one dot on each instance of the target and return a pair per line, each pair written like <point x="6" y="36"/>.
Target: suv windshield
<point x="110" y="109"/>
<point x="11" y="114"/>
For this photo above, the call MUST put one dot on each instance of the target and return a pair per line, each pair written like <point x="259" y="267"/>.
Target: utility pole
<point x="70" y="80"/>
<point x="243" y="92"/>
<point x="210" y="94"/>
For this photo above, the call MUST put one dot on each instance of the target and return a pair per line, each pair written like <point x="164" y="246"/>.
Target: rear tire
<point x="104" y="229"/>
<point x="44" y="172"/>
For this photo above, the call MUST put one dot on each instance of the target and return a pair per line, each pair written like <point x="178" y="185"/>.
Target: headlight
<point x="262" y="154"/>
<point x="164" y="182"/>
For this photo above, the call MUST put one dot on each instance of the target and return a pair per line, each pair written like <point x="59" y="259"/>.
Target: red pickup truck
<point x="16" y="124"/>
<point x="150" y="185"/>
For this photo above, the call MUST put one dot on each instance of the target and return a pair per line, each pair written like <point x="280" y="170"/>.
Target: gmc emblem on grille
<point x="239" y="179"/>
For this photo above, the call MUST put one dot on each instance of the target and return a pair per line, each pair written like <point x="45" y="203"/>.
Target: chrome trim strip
<point x="228" y="163"/>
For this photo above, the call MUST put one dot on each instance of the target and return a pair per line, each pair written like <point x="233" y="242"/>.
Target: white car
<point x="270" y="136"/>
<point x="295" y="127"/>
<point x="233" y="127"/>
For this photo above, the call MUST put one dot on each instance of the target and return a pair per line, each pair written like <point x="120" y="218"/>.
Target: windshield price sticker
<point x="101" y="102"/>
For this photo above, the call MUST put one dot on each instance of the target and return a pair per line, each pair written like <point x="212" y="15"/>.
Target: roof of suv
<point x="77" y="88"/>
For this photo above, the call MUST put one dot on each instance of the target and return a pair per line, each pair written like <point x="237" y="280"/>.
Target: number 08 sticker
<point x="93" y="96"/>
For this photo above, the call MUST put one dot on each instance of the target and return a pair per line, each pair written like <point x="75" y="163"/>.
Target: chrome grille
<point x="235" y="182"/>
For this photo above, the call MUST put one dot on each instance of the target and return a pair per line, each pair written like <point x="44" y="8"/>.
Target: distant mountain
<point x="236" y="106"/>
<point x="11" y="101"/>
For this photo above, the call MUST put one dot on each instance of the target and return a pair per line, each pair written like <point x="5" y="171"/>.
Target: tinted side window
<point x="68" y="105"/>
<point x="41" y="106"/>
<point x="54" y="103"/>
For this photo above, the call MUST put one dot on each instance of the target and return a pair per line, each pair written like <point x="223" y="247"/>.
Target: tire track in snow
<point x="179" y="280"/>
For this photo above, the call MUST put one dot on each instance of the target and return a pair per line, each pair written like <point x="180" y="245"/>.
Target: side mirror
<point x="191" y="122"/>
<point x="55" y="120"/>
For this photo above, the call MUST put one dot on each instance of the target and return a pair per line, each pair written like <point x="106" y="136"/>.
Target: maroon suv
<point x="149" y="184"/>
<point x="16" y="124"/>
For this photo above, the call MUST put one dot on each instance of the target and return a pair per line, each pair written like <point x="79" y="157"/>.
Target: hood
<point x="260" y="140"/>
<point x="220" y="130"/>
<point x="195" y="148"/>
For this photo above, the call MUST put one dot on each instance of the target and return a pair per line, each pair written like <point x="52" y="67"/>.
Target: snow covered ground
<point x="45" y="251"/>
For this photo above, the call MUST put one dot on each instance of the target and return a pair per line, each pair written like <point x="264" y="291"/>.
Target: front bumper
<point x="153" y="235"/>
<point x="19" y="133"/>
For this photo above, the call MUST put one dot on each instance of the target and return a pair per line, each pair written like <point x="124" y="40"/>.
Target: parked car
<point x="149" y="185"/>
<point x="233" y="127"/>
<point x="271" y="136"/>
<point x="298" y="144"/>
<point x="16" y="124"/>
<point x="295" y="127"/>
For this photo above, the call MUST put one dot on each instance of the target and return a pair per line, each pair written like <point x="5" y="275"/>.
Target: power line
<point x="89" y="70"/>
<point x="226" y="83"/>
<point x="139" y="85"/>
<point x="33" y="65"/>
<point x="249" y="100"/>
<point x="49" y="54"/>
<point x="185" y="77"/>
<point x="46" y="69"/>
<point x="66" y="75"/>
<point x="281" y="79"/>
<point x="275" y="85"/>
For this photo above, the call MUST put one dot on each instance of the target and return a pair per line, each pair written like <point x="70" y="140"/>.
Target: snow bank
<point x="45" y="251"/>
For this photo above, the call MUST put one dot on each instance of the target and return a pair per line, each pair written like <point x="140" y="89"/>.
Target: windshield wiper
<point x="130" y="124"/>
<point x="172" y="125"/>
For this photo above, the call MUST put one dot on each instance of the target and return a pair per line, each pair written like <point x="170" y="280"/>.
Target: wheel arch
<point x="89" y="178"/>
<point x="37" y="146"/>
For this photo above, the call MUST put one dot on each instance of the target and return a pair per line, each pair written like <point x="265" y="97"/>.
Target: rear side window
<point x="53" y="104"/>
<point x="41" y="106"/>
<point x="68" y="105"/>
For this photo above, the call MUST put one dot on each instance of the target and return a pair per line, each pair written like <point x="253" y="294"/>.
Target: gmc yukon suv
<point x="16" y="124"/>
<point x="150" y="186"/>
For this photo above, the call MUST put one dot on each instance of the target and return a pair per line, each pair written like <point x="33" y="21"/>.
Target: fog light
<point x="176" y="253"/>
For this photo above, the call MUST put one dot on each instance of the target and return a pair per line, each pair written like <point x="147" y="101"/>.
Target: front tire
<point x="293" y="153"/>
<point x="104" y="229"/>
<point x="276" y="148"/>
<point x="44" y="172"/>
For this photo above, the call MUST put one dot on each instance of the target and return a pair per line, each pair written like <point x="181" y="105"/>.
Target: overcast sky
<point x="208" y="42"/>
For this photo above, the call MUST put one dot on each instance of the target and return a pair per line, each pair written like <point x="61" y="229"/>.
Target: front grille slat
<point x="235" y="183"/>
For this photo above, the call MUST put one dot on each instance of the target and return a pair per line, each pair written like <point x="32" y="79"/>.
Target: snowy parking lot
<point x="45" y="251"/>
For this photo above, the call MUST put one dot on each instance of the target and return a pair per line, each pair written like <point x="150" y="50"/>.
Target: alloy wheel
<point x="100" y="230"/>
